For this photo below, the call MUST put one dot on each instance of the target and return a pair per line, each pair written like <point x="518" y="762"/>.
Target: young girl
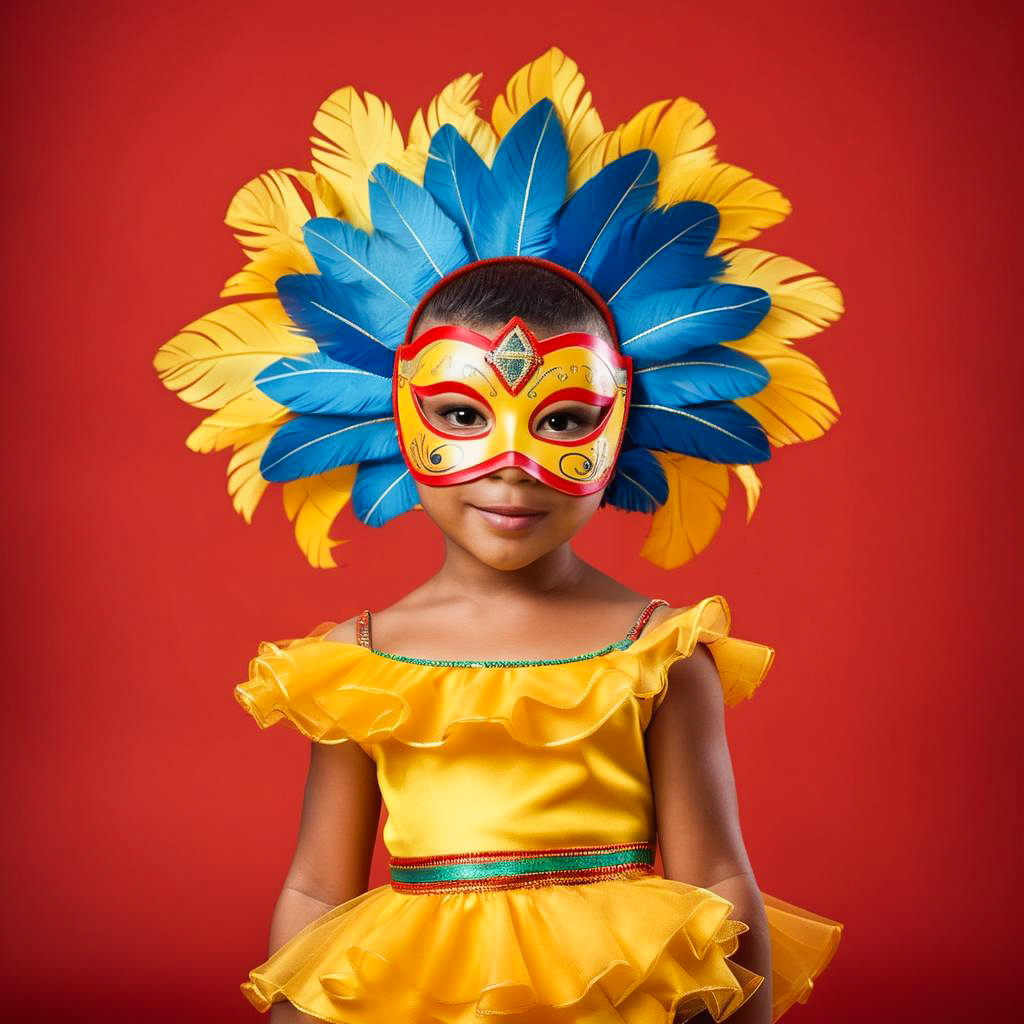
<point x="509" y="361"/>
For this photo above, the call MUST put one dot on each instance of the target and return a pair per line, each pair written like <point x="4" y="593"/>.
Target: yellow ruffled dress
<point x="522" y="756"/>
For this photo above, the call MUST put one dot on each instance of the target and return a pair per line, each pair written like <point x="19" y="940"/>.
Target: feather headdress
<point x="296" y="371"/>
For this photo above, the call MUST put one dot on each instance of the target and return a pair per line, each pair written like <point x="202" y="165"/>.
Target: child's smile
<point x="510" y="518"/>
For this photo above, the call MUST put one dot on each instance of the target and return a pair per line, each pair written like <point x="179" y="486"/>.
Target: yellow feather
<point x="592" y="159"/>
<point x="246" y="484"/>
<point x="243" y="419"/>
<point x="678" y="131"/>
<point x="747" y="205"/>
<point x="357" y="134"/>
<point x="751" y="485"/>
<point x="454" y="105"/>
<point x="797" y="403"/>
<point x="325" y="202"/>
<point x="259" y="276"/>
<point x="554" y="76"/>
<point x="689" y="519"/>
<point x="313" y="503"/>
<point x="803" y="302"/>
<point x="674" y="129"/>
<point x="214" y="359"/>
<point x="267" y="215"/>
<point x="267" y="212"/>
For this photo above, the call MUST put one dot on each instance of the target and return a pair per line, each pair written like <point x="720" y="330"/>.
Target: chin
<point x="512" y="563"/>
<point x="508" y="555"/>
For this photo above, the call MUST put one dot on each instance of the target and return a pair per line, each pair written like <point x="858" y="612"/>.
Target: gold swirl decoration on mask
<point x="438" y="458"/>
<point x="580" y="466"/>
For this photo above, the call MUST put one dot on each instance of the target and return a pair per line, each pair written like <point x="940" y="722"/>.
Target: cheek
<point x="440" y="503"/>
<point x="579" y="510"/>
<point x="569" y="514"/>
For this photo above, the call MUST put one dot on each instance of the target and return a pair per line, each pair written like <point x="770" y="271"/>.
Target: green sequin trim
<point x="519" y="866"/>
<point x="619" y="645"/>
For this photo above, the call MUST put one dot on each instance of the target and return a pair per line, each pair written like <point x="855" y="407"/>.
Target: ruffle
<point x="454" y="957"/>
<point x="334" y="691"/>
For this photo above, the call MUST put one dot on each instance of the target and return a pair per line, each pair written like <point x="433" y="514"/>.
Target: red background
<point x="149" y="823"/>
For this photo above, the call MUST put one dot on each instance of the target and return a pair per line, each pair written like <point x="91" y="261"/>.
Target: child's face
<point x="507" y="518"/>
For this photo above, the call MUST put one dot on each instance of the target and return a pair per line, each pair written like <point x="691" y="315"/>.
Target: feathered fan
<point x="644" y="213"/>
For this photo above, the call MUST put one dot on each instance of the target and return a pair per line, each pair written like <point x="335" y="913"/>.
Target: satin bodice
<point x="480" y="756"/>
<point x="483" y="791"/>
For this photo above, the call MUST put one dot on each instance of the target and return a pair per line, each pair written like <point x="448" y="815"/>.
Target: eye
<point x="568" y="420"/>
<point x="462" y="416"/>
<point x="559" y="422"/>
<point x="454" y="413"/>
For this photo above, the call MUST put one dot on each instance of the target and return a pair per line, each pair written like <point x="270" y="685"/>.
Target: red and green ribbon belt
<point x="517" y="869"/>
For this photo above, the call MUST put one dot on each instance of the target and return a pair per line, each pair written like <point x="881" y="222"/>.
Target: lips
<point x="510" y="517"/>
<point x="511" y="510"/>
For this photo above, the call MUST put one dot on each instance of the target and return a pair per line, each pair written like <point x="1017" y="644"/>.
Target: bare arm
<point x="697" y="813"/>
<point x="337" y="834"/>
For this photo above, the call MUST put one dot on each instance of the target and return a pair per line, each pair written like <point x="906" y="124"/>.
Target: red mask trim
<point x="580" y="339"/>
<point x="584" y="395"/>
<point x="524" y="462"/>
<point x="412" y="348"/>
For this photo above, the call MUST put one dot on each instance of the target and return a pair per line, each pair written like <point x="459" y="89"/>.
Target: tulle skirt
<point x="640" y="950"/>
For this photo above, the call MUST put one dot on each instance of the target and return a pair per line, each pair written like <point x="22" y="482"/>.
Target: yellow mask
<point x="516" y="377"/>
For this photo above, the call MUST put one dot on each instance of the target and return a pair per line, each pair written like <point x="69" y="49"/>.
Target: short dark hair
<point x="496" y="292"/>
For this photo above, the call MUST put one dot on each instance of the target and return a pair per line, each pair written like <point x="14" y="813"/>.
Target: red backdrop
<point x="149" y="823"/>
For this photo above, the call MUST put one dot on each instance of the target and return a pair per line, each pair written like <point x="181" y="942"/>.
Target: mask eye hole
<point x="568" y="420"/>
<point x="455" y="414"/>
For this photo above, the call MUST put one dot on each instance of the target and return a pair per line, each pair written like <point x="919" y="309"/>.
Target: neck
<point x="550" y="575"/>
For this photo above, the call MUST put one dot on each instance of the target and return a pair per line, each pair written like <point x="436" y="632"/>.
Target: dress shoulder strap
<point x="641" y="620"/>
<point x="363" y="629"/>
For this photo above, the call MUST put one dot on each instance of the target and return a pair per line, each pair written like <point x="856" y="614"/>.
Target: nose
<point x="511" y="475"/>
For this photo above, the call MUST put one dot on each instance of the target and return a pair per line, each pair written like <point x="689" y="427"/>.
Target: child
<point x="532" y="725"/>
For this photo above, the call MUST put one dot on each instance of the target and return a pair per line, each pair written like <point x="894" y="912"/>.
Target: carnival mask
<point x="515" y="377"/>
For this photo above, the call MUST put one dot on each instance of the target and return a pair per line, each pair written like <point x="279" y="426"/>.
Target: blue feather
<point x="341" y="320"/>
<point x="308" y="445"/>
<point x="315" y="383"/>
<point x="638" y="484"/>
<point x="455" y="177"/>
<point x="716" y="431"/>
<point x="382" y="491"/>
<point x="526" y="187"/>
<point x="666" y="325"/>
<point x="377" y="264"/>
<point x="592" y="220"/>
<point x="660" y="250"/>
<point x="707" y="374"/>
<point x="407" y="213"/>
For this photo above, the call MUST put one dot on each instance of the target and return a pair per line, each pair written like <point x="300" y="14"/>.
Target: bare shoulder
<point x="664" y="612"/>
<point x="404" y="617"/>
<point x="343" y="632"/>
<point x="694" y="692"/>
<point x="694" y="687"/>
